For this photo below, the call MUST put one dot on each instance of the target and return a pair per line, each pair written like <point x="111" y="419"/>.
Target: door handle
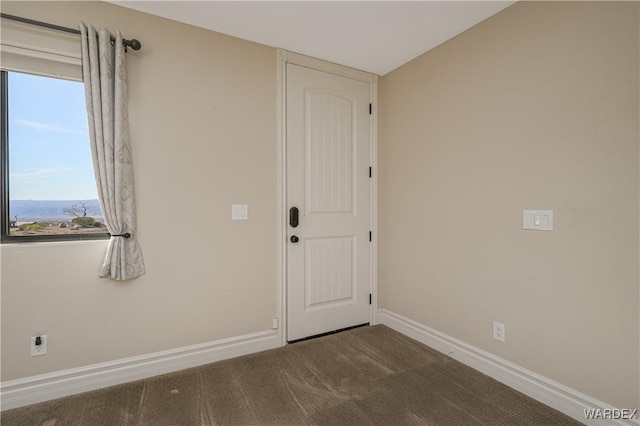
<point x="294" y="239"/>
<point x="293" y="217"/>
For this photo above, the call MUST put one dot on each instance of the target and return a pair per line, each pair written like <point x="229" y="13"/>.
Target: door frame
<point x="285" y="57"/>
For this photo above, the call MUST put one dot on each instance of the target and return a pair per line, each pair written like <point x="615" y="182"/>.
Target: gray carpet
<point x="364" y="376"/>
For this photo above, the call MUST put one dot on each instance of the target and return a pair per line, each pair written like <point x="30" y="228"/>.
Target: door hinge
<point x="370" y="236"/>
<point x="370" y="109"/>
<point x="369" y="298"/>
<point x="370" y="171"/>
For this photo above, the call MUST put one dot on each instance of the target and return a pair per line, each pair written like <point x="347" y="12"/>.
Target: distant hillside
<point x="50" y="210"/>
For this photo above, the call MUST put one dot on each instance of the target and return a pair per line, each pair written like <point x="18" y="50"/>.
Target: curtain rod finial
<point x="134" y="44"/>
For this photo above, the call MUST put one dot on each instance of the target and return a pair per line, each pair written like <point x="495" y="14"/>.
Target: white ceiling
<point x="374" y="36"/>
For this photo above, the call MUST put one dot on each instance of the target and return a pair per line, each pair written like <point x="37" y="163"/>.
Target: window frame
<point x="5" y="231"/>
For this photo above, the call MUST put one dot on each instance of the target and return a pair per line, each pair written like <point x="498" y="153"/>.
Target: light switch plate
<point x="539" y="220"/>
<point x="239" y="212"/>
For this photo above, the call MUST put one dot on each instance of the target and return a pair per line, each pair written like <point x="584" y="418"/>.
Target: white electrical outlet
<point x="498" y="331"/>
<point x="41" y="349"/>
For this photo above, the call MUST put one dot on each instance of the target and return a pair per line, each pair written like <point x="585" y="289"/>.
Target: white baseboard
<point x="555" y="395"/>
<point x="31" y="390"/>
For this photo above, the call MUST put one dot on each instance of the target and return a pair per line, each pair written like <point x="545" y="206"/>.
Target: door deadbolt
<point x="294" y="239"/>
<point x="293" y="217"/>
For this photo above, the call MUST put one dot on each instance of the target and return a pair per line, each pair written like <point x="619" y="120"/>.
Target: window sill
<point x="53" y="239"/>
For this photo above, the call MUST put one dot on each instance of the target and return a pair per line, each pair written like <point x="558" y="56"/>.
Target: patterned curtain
<point x="105" y="81"/>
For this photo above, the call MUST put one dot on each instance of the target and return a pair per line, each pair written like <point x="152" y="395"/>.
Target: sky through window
<point x="50" y="156"/>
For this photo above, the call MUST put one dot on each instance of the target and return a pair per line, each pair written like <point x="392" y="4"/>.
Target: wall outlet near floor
<point x="498" y="331"/>
<point x="39" y="345"/>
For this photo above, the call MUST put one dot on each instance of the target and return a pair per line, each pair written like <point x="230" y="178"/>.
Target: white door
<point x="328" y="160"/>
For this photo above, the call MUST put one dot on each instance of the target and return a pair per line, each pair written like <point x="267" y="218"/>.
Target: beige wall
<point x="203" y="129"/>
<point x="535" y="108"/>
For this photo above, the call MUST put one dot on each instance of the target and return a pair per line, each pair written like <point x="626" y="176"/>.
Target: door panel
<point x="329" y="154"/>
<point x="328" y="158"/>
<point x="330" y="276"/>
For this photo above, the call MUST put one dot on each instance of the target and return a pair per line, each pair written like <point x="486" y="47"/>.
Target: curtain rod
<point x="133" y="43"/>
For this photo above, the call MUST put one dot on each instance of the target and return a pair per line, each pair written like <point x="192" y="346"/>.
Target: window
<point x="48" y="188"/>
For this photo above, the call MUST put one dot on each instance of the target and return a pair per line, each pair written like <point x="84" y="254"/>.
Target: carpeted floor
<point x="364" y="376"/>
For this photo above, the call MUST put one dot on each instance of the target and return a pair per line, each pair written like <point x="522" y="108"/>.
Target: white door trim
<point x="283" y="58"/>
